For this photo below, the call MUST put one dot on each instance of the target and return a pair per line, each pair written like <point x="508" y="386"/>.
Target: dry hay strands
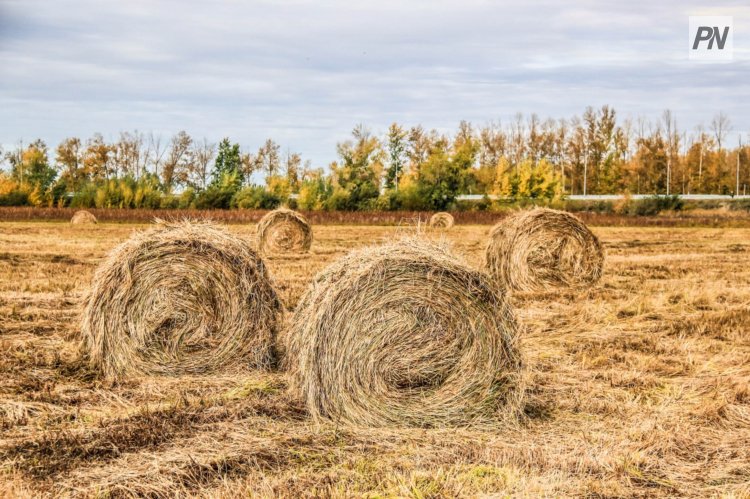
<point x="540" y="249"/>
<point x="183" y="297"/>
<point x="83" y="217"/>
<point x="284" y="231"/>
<point x="404" y="335"/>
<point x="441" y="220"/>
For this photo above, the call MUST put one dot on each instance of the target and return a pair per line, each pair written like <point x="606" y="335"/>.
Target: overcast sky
<point x="304" y="73"/>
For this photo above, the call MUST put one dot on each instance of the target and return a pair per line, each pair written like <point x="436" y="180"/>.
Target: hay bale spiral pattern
<point x="441" y="220"/>
<point x="83" y="217"/>
<point x="283" y="231"/>
<point x="180" y="298"/>
<point x="540" y="249"/>
<point x="407" y="335"/>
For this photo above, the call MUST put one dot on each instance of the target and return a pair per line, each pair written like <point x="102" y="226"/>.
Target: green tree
<point x="396" y="155"/>
<point x="447" y="170"/>
<point x="440" y="180"/>
<point x="356" y="179"/>
<point x="315" y="190"/>
<point x="228" y="166"/>
<point x="33" y="169"/>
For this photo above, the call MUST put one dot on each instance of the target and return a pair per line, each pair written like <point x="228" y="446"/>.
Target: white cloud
<point x="305" y="73"/>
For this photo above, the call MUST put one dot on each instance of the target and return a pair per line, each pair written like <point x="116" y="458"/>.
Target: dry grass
<point x="180" y="298"/>
<point x="543" y="249"/>
<point x="441" y="220"/>
<point x="638" y="387"/>
<point x="718" y="218"/>
<point x="405" y="334"/>
<point x="83" y="217"/>
<point x="283" y="231"/>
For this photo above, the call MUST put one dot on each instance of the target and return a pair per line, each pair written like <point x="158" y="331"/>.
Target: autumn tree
<point x="178" y="162"/>
<point x="129" y="156"/>
<point x="155" y="152"/>
<point x="69" y="162"/>
<point x="720" y="126"/>
<point x="530" y="180"/>
<point x="97" y="158"/>
<point x="651" y="161"/>
<point x="31" y="170"/>
<point x="293" y="167"/>
<point x="203" y="153"/>
<point x="268" y="159"/>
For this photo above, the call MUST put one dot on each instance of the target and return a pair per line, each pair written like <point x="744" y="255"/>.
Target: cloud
<point x="305" y="73"/>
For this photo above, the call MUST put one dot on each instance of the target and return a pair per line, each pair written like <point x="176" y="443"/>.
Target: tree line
<point x="410" y="168"/>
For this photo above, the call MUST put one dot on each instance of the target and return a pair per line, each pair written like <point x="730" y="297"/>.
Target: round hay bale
<point x="283" y="231"/>
<point x="180" y="298"/>
<point x="540" y="249"/>
<point x="404" y="334"/>
<point x="83" y="217"/>
<point x="441" y="220"/>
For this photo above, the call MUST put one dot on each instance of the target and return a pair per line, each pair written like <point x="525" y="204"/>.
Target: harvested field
<point x="638" y="387"/>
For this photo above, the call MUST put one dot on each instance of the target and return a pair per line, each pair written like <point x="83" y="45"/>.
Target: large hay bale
<point x="441" y="220"/>
<point x="540" y="249"/>
<point x="182" y="297"/>
<point x="83" y="217"/>
<point x="284" y="230"/>
<point x="404" y="334"/>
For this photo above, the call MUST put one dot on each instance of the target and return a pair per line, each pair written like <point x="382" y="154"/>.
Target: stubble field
<point x="639" y="387"/>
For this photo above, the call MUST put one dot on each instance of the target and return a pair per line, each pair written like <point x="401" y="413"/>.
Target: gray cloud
<point x="305" y="73"/>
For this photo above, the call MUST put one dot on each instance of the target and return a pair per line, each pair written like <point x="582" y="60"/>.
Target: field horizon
<point x="698" y="217"/>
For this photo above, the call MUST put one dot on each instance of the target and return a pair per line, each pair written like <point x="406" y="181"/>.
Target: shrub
<point x="14" y="198"/>
<point x="255" y="198"/>
<point x="186" y="199"/>
<point x="85" y="198"/>
<point x="214" y="198"/>
<point x="655" y="204"/>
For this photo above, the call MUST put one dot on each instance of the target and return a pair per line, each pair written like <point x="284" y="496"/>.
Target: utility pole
<point x="700" y="168"/>
<point x="585" y="163"/>
<point x="737" y="179"/>
<point x="585" y="170"/>
<point x="684" y="155"/>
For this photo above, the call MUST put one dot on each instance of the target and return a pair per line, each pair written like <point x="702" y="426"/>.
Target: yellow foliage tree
<point x="529" y="180"/>
<point x="279" y="186"/>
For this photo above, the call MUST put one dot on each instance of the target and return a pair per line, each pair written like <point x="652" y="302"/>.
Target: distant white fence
<point x="615" y="197"/>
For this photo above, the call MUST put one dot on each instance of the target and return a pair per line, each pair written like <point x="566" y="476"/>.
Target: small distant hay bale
<point x="83" y="217"/>
<point x="404" y="335"/>
<point x="283" y="231"/>
<point x="180" y="298"/>
<point x="441" y="220"/>
<point x="541" y="249"/>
